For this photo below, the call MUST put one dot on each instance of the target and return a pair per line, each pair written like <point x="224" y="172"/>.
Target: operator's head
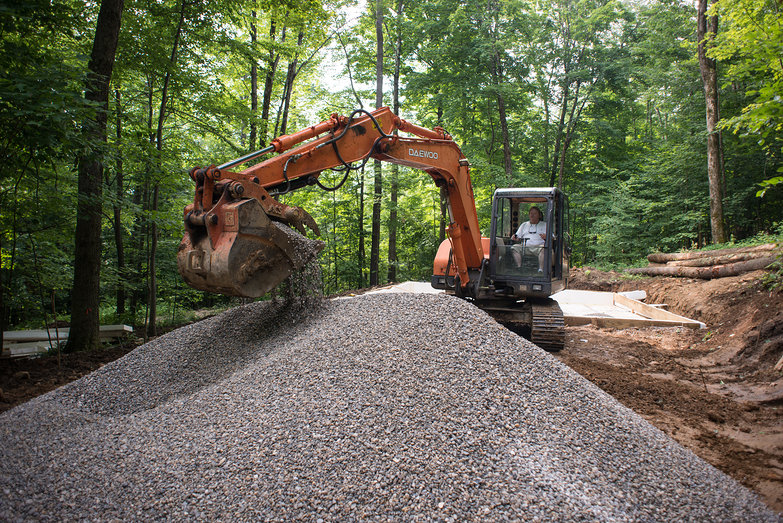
<point x="535" y="214"/>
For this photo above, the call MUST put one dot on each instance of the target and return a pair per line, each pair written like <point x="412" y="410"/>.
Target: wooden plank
<point x="627" y="323"/>
<point x="615" y="310"/>
<point x="653" y="313"/>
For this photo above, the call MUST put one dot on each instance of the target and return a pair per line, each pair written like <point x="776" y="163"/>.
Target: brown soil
<point x="715" y="391"/>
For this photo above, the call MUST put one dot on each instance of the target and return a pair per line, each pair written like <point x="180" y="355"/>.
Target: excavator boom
<point x="238" y="238"/>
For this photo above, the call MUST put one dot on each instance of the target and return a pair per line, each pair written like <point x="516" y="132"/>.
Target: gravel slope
<point x="389" y="406"/>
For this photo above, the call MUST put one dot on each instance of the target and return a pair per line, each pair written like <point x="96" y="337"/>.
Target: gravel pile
<point x="389" y="406"/>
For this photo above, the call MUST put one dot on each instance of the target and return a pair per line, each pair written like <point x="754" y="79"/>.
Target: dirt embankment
<point x="715" y="390"/>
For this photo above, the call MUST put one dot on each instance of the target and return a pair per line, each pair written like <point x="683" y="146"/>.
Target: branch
<point x="209" y="127"/>
<point x="350" y="76"/>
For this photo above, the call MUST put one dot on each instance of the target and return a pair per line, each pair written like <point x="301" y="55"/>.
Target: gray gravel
<point x="390" y="406"/>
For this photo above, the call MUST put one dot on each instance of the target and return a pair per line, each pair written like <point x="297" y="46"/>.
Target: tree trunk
<point x="289" y="84"/>
<point x="661" y="257"/>
<point x="444" y="210"/>
<point x="395" y="170"/>
<point x="138" y="255"/>
<point x="134" y="256"/>
<point x="706" y="30"/>
<point x="720" y="260"/>
<point x="85" y="295"/>
<point x="545" y="99"/>
<point x="507" y="165"/>
<point x="497" y="77"/>
<point x="707" y="273"/>
<point x="376" y="204"/>
<point x="569" y="133"/>
<point x="152" y="296"/>
<point x="559" y="135"/>
<point x="152" y="280"/>
<point x="269" y="84"/>
<point x="361" y="253"/>
<point x="253" y="87"/>
<point x="118" y="240"/>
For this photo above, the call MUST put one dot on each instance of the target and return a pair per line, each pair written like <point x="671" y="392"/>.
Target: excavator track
<point x="540" y="321"/>
<point x="548" y="327"/>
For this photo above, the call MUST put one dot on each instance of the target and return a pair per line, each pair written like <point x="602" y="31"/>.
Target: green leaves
<point x="768" y="184"/>
<point x="750" y="44"/>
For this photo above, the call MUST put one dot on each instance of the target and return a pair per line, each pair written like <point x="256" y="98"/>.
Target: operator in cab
<point x="532" y="234"/>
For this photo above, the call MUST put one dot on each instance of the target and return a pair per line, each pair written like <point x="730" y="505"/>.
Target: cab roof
<point x="521" y="192"/>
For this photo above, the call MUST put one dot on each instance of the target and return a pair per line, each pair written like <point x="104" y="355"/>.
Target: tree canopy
<point x="600" y="97"/>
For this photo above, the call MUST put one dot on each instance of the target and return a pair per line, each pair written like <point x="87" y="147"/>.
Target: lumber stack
<point x="710" y="264"/>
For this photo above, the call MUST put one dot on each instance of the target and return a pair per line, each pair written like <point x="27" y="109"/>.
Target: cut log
<point x="706" y="273"/>
<point x="720" y="260"/>
<point x="660" y="257"/>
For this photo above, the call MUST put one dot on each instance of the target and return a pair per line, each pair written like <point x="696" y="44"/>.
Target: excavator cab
<point x="518" y="276"/>
<point x="536" y="265"/>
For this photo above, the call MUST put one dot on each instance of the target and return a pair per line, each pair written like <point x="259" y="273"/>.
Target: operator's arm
<point x="520" y="232"/>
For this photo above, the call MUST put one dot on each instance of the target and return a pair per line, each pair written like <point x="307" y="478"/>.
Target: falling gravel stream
<point x="387" y="406"/>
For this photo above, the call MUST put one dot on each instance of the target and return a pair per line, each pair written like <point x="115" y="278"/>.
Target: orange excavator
<point x="240" y="241"/>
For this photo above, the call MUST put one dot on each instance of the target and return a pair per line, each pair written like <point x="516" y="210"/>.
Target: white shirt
<point x="531" y="233"/>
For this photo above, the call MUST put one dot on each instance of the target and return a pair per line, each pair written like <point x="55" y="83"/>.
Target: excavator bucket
<point x="237" y="250"/>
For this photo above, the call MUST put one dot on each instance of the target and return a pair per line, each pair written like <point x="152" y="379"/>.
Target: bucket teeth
<point x="299" y="218"/>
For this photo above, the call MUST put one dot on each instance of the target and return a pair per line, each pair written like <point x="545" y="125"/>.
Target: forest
<point x="661" y="120"/>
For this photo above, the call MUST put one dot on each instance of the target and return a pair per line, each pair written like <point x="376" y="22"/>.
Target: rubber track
<point x="548" y="329"/>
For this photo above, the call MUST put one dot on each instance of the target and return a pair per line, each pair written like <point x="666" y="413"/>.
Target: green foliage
<point x="768" y="184"/>
<point x="750" y="42"/>
<point x="773" y="278"/>
<point x="623" y="75"/>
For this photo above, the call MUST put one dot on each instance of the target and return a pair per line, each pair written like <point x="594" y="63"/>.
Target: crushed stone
<point x="387" y="406"/>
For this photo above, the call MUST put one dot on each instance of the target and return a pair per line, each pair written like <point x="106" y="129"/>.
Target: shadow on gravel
<point x="187" y="359"/>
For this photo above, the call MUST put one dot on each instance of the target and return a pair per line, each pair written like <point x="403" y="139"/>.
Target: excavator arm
<point x="235" y="241"/>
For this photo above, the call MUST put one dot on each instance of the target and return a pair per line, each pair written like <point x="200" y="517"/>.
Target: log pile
<point x="710" y="264"/>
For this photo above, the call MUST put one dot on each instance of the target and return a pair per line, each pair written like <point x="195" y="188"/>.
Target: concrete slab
<point x="616" y="310"/>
